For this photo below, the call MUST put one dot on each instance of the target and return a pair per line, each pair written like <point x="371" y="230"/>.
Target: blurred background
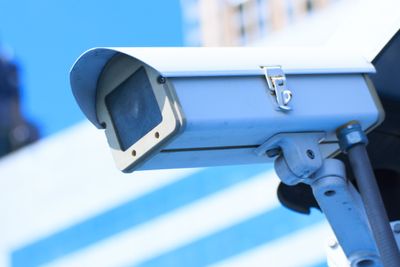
<point x="63" y="203"/>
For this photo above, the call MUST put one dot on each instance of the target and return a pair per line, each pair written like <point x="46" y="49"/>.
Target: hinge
<point x="276" y="80"/>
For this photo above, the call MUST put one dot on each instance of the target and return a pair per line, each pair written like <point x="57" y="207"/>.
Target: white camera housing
<point x="196" y="107"/>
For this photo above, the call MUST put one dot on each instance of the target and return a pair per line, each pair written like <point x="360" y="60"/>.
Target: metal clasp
<point x="276" y="80"/>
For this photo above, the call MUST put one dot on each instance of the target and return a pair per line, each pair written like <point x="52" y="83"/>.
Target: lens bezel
<point x="119" y="69"/>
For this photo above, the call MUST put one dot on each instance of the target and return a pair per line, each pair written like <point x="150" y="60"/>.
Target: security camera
<point x="194" y="107"/>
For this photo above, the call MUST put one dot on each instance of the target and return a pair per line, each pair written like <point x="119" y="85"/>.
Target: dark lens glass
<point x="133" y="109"/>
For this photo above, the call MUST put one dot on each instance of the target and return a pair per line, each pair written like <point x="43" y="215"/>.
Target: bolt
<point x="273" y="152"/>
<point x="351" y="134"/>
<point x="310" y="154"/>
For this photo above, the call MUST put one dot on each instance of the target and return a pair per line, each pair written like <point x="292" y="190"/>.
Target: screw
<point x="333" y="244"/>
<point x="161" y="79"/>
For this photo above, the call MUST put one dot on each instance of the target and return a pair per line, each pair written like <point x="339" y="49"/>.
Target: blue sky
<point x="48" y="36"/>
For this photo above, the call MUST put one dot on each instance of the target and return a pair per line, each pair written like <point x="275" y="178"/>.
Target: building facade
<point x="242" y="22"/>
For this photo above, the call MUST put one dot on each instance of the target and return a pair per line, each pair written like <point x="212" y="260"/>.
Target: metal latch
<point x="276" y="80"/>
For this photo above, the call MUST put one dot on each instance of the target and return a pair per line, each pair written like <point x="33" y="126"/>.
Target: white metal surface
<point x="206" y="61"/>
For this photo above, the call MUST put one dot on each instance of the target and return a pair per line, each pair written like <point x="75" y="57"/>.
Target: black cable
<point x="374" y="207"/>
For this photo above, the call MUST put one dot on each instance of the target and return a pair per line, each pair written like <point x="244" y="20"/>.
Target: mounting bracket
<point x="298" y="160"/>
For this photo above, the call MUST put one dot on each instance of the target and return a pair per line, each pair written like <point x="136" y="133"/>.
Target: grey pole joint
<point x="350" y="135"/>
<point x="353" y="141"/>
